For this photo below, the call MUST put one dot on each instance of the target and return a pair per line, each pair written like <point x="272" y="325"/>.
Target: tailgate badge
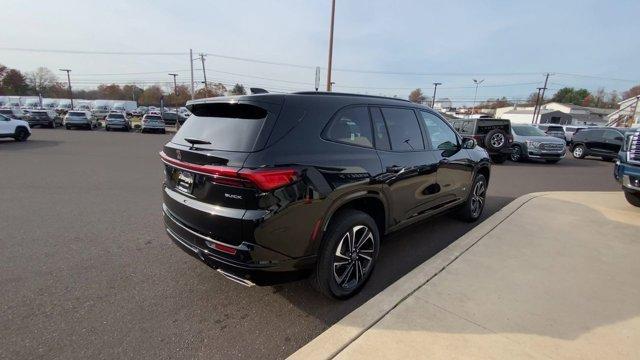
<point x="233" y="196"/>
<point x="179" y="154"/>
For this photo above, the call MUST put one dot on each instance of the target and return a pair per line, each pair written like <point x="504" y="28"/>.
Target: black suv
<point x="492" y="134"/>
<point x="604" y="142"/>
<point x="271" y="187"/>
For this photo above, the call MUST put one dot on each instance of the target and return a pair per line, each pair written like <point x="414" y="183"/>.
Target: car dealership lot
<point x="87" y="270"/>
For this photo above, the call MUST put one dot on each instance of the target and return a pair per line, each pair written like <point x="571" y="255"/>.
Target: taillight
<point x="265" y="179"/>
<point x="269" y="179"/>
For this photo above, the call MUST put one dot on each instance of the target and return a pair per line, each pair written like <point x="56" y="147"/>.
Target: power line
<point x="88" y="52"/>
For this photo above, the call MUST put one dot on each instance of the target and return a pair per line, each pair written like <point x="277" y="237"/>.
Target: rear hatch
<point x="206" y="188"/>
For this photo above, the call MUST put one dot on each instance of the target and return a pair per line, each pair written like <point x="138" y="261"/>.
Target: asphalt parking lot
<point x="88" y="272"/>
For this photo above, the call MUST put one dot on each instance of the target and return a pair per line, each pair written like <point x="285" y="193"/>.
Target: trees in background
<point x="151" y="96"/>
<point x="13" y="82"/>
<point x="417" y="96"/>
<point x="238" y="89"/>
<point x="634" y="91"/>
<point x="212" y="90"/>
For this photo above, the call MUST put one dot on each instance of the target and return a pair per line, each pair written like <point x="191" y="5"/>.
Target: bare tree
<point x="417" y="96"/>
<point x="41" y="80"/>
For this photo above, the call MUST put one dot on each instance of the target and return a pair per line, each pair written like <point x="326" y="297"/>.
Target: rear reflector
<point x="265" y="179"/>
<point x="223" y="248"/>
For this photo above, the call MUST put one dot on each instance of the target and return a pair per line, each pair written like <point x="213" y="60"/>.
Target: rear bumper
<point x="40" y="122"/>
<point x="250" y="264"/>
<point x="117" y="125"/>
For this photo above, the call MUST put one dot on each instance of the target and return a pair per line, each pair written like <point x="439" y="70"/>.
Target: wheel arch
<point x="372" y="203"/>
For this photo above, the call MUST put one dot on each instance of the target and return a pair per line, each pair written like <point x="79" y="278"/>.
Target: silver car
<point x="117" y="120"/>
<point x="152" y="123"/>
<point x="529" y="142"/>
<point x="79" y="119"/>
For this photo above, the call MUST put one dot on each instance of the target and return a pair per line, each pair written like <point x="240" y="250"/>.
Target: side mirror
<point x="469" y="143"/>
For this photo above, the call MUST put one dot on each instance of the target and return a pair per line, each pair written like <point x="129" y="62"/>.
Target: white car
<point x="19" y="130"/>
<point x="152" y="123"/>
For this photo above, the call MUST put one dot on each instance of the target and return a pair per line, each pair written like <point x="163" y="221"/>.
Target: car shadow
<point x="10" y="145"/>
<point x="400" y="252"/>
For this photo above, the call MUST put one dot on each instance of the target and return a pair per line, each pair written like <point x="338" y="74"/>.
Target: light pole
<point x="69" y="82"/>
<point x="477" y="82"/>
<point x="333" y="13"/>
<point x="175" y="95"/>
<point x="435" y="87"/>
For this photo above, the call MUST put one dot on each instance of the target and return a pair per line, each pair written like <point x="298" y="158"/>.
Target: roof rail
<point x="347" y="94"/>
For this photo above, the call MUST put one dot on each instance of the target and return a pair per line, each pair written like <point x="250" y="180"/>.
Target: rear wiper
<point x="195" y="142"/>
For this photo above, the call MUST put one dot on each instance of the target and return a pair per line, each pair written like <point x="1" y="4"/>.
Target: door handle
<point x="394" y="168"/>
<point x="443" y="161"/>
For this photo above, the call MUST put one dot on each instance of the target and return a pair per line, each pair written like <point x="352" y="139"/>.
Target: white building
<point x="525" y="116"/>
<point x="578" y="115"/>
<point x="442" y="104"/>
<point x="581" y="115"/>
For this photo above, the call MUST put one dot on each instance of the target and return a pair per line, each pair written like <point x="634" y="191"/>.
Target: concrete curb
<point x="335" y="339"/>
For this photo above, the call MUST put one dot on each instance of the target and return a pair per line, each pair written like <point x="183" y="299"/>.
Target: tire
<point x="52" y="125"/>
<point x="472" y="208"/>
<point x="21" y="134"/>
<point x="334" y="276"/>
<point x="495" y="140"/>
<point x="163" y="131"/>
<point x="633" y="198"/>
<point x="499" y="158"/>
<point x="68" y="127"/>
<point x="107" y="128"/>
<point x="553" y="161"/>
<point x="142" y="131"/>
<point x="578" y="152"/>
<point x="516" y="153"/>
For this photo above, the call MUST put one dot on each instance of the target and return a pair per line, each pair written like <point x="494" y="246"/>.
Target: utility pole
<point x="535" y="108"/>
<point x="477" y="82"/>
<point x="536" y="111"/>
<point x="204" y="73"/>
<point x="191" y="63"/>
<point x="69" y="82"/>
<point x="435" y="87"/>
<point x="333" y="13"/>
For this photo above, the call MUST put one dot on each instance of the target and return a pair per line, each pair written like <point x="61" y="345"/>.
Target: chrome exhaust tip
<point x="236" y="278"/>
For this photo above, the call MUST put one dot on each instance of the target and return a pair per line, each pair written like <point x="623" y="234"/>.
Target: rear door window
<point x="380" y="130"/>
<point x="404" y="130"/>
<point x="351" y="126"/>
<point x="225" y="126"/>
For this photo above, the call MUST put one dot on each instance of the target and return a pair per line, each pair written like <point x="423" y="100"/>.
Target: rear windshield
<point x="228" y="127"/>
<point x="555" y="128"/>
<point x="6" y="112"/>
<point x="76" y="113"/>
<point x="115" y="116"/>
<point x="153" y="117"/>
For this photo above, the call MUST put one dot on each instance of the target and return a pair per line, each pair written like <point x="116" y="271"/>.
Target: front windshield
<point x="527" y="130"/>
<point x="116" y="116"/>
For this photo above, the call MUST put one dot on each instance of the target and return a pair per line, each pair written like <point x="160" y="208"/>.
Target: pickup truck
<point x="627" y="168"/>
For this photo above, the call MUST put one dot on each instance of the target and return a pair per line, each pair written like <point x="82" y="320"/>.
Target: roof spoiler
<point x="258" y="91"/>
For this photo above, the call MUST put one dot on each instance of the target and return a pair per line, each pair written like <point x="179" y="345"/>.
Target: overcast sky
<point x="504" y="42"/>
